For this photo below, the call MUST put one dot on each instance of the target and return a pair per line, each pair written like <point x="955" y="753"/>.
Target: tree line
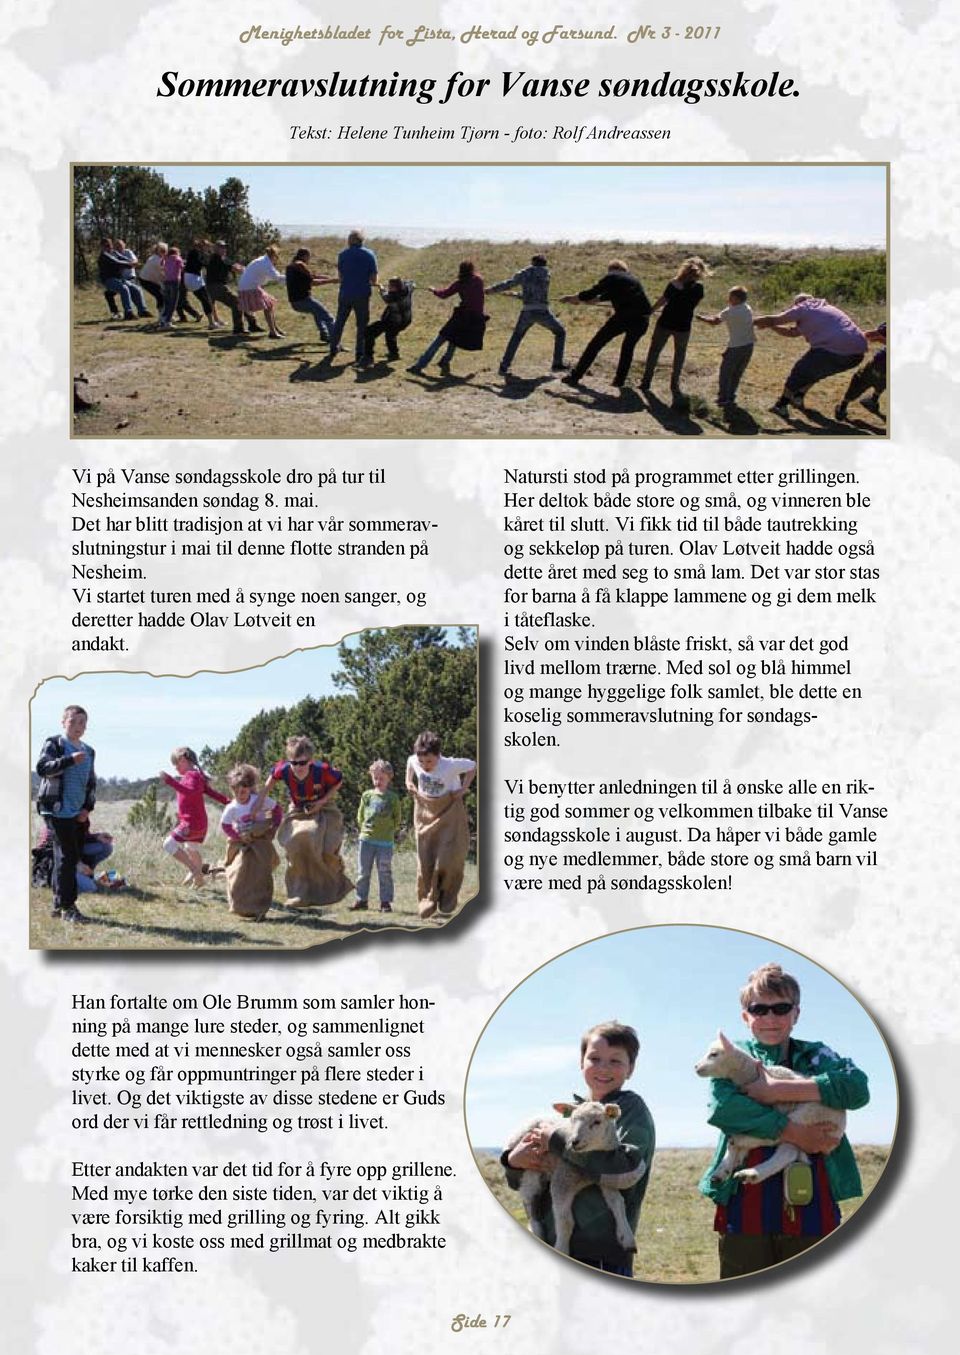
<point x="392" y="684"/>
<point x="137" y="205"/>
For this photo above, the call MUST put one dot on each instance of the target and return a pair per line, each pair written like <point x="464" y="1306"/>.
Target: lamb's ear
<point x="724" y="1041"/>
<point x="564" y="1108"/>
<point x="612" y="1112"/>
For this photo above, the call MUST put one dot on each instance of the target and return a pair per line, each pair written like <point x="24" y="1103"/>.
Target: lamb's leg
<point x="728" y="1164"/>
<point x="531" y="1188"/>
<point x="617" y="1208"/>
<point x="785" y="1154"/>
<point x="563" y="1222"/>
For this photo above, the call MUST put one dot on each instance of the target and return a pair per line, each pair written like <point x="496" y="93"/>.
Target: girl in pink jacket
<point x="191" y="785"/>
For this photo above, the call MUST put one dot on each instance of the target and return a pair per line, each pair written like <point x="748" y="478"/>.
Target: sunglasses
<point x="300" y="762"/>
<point x="777" y="1008"/>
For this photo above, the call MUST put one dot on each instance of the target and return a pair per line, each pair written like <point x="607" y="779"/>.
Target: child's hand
<point x="530" y="1154"/>
<point x="767" y="1089"/>
<point x="79" y="755"/>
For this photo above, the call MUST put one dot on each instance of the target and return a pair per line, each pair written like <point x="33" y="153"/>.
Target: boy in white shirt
<point x="738" y="318"/>
<point x="429" y="775"/>
<point x="438" y="785"/>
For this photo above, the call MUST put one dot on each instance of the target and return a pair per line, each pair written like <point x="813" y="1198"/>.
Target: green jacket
<point x="842" y="1087"/>
<point x="594" y="1234"/>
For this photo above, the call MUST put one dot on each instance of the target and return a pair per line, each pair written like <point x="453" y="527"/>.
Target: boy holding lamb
<point x="758" y="1224"/>
<point x="608" y="1054"/>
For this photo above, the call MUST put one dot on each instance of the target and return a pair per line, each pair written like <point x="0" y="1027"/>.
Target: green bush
<point x="857" y="278"/>
<point x="148" y="814"/>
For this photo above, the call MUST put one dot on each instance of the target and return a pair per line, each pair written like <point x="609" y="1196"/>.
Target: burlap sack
<point x="443" y="838"/>
<point x="248" y="869"/>
<point x="315" y="873"/>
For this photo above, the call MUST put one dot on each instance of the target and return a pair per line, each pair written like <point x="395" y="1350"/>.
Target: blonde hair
<point x="187" y="753"/>
<point x="298" y="745"/>
<point x="770" y="978"/>
<point x="381" y="765"/>
<point x="695" y="266"/>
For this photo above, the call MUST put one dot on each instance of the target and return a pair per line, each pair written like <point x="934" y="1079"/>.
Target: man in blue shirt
<point x="357" y="270"/>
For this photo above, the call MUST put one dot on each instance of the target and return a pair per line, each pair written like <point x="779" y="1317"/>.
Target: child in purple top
<point x="836" y="345"/>
<point x="467" y="323"/>
<point x="172" y="277"/>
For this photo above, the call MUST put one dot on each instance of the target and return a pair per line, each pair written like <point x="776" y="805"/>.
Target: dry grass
<point x="192" y="383"/>
<point x="156" y="913"/>
<point x="676" y="1243"/>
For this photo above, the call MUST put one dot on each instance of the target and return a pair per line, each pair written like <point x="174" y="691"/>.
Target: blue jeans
<point x="171" y="295"/>
<point x="92" y="855"/>
<point x="359" y="306"/>
<point x="136" y="295"/>
<point x="368" y="854"/>
<point x="120" y="289"/>
<point x="433" y="349"/>
<point x="309" y="305"/>
<point x="525" y="321"/>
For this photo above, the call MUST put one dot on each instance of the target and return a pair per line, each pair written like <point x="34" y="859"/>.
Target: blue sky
<point x="770" y="204"/>
<point x="676" y="986"/>
<point x="136" y="719"/>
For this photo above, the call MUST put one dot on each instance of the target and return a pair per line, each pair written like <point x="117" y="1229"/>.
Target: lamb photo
<point x="479" y="301"/>
<point x="733" y="1106"/>
<point x="320" y="795"/>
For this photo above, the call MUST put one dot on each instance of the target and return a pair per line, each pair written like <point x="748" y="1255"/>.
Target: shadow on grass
<point x="812" y="424"/>
<point x="623" y="401"/>
<point x="276" y="351"/>
<point x="323" y="370"/>
<point x="672" y="418"/>
<point x="518" y="387"/>
<point x="438" y="381"/>
<point x="377" y="372"/>
<point x="738" y="422"/>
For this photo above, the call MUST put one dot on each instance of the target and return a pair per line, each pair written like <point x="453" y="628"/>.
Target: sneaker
<point x="570" y="379"/>
<point x="444" y="366"/>
<point x="359" y="907"/>
<point x="560" y="367"/>
<point x="781" y="409"/>
<point x="645" y="385"/>
<point x="795" y="400"/>
<point x="72" y="914"/>
<point x="254" y="328"/>
<point x="393" y="357"/>
<point x="386" y="907"/>
<point x="416" y="370"/>
<point x="872" y="403"/>
<point x="364" y="363"/>
<point x="840" y="413"/>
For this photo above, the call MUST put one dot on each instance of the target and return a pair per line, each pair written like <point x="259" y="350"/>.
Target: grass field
<point x="676" y="1243"/>
<point x="156" y="913"/>
<point x="194" y="383"/>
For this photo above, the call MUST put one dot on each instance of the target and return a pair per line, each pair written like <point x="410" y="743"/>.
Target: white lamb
<point x="590" y="1127"/>
<point x="724" y="1059"/>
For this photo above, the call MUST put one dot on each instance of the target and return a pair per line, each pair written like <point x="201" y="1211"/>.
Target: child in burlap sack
<point x="438" y="785"/>
<point x="312" y="829"/>
<point x="249" y="822"/>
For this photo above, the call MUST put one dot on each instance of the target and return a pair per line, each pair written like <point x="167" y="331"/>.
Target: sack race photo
<point x="248" y="869"/>
<point x="315" y="873"/>
<point x="443" y="839"/>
